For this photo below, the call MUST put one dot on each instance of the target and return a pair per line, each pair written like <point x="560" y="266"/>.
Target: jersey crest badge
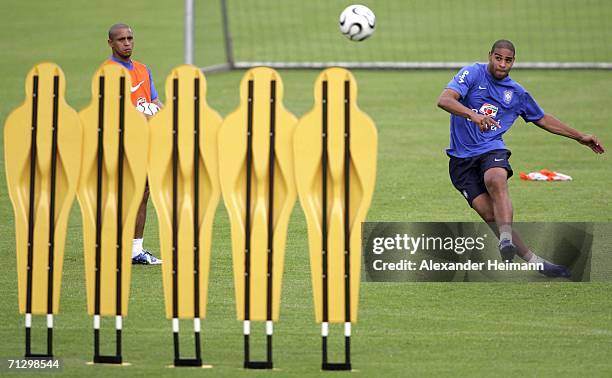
<point x="508" y="96"/>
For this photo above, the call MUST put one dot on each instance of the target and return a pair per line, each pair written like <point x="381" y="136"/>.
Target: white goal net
<point x="409" y="33"/>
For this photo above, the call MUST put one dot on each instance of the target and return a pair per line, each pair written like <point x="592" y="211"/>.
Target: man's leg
<point x="141" y="216"/>
<point x="474" y="177"/>
<point x="496" y="182"/>
<point x="483" y="204"/>
<point x="139" y="254"/>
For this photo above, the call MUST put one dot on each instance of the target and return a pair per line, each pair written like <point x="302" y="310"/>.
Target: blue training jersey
<point x="504" y="100"/>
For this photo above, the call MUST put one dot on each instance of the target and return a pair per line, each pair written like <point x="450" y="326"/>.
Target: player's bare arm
<point x="449" y="101"/>
<point x="553" y="125"/>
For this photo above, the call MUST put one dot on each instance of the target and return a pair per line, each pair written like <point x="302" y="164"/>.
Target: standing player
<point x="484" y="102"/>
<point x="121" y="42"/>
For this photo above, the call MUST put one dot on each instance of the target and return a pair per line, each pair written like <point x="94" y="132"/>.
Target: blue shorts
<point x="467" y="174"/>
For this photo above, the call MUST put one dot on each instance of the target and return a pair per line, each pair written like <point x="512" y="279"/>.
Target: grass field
<point x="435" y="329"/>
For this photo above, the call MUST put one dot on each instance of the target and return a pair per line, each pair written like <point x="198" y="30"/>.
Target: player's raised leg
<point x="496" y="182"/>
<point x="483" y="204"/>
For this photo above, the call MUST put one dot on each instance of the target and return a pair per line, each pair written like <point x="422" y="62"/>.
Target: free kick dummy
<point x="335" y="165"/>
<point x="257" y="181"/>
<point x="113" y="177"/>
<point x="42" y="147"/>
<point x="184" y="184"/>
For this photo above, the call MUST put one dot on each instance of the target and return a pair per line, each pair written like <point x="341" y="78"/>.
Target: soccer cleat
<point x="554" y="270"/>
<point x="146" y="258"/>
<point x="507" y="250"/>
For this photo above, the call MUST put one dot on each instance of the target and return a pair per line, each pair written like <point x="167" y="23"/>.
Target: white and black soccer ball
<point x="357" y="22"/>
<point x="147" y="108"/>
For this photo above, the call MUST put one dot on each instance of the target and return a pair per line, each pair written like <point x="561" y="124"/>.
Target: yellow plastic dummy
<point x="46" y="207"/>
<point x="260" y="109"/>
<point x="173" y="165"/>
<point x="335" y="108"/>
<point x="109" y="110"/>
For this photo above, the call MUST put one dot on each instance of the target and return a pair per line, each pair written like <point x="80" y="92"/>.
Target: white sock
<point x="505" y="232"/>
<point x="505" y="236"/>
<point x="535" y="259"/>
<point x="137" y="247"/>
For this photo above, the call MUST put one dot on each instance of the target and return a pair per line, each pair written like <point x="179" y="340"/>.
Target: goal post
<point x="416" y="34"/>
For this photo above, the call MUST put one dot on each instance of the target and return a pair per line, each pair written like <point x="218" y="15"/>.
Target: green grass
<point x="556" y="329"/>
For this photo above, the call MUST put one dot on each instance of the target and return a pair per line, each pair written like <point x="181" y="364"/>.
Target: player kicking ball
<point x="484" y="102"/>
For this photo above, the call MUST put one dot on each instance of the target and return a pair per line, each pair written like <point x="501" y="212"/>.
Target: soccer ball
<point x="147" y="108"/>
<point x="357" y="22"/>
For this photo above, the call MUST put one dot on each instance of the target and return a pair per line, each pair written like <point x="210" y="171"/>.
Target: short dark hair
<point x="503" y="44"/>
<point x="116" y="27"/>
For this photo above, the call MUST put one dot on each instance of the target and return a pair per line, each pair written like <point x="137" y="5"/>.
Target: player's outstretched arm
<point x="553" y="125"/>
<point x="449" y="101"/>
